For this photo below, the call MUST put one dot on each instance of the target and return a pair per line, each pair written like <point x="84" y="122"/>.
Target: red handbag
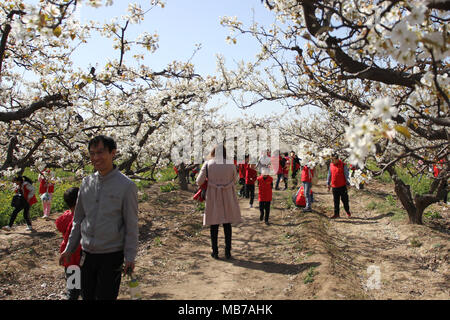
<point x="200" y="195"/>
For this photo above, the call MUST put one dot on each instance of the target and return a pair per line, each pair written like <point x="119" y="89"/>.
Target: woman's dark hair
<point x="212" y="154"/>
<point x="22" y="178"/>
<point x="71" y="196"/>
<point x="108" y="142"/>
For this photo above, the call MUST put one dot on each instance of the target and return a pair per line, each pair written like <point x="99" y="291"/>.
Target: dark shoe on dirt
<point x="215" y="255"/>
<point x="334" y="217"/>
<point x="349" y="214"/>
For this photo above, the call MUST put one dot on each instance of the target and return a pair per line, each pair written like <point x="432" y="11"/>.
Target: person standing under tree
<point x="265" y="186"/>
<point x="46" y="189"/>
<point x="338" y="180"/>
<point x="64" y="225"/>
<point x="106" y="221"/>
<point x="222" y="206"/>
<point x="25" y="194"/>
<point x="250" y="179"/>
<point x="307" y="176"/>
<point x="295" y="166"/>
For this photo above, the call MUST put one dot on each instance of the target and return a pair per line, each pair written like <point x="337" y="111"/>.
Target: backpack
<point x="299" y="197"/>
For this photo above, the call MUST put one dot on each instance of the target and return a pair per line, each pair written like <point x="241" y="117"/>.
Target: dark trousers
<point x="338" y="195"/>
<point x="72" y="294"/>
<point x="264" y="209"/>
<point x="214" y="229"/>
<point x="26" y="213"/>
<point x="279" y="177"/>
<point x="251" y="192"/>
<point x="243" y="191"/>
<point x="101" y="275"/>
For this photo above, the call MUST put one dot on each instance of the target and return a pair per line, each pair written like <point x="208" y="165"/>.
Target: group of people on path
<point x="100" y="229"/>
<point x="25" y="198"/>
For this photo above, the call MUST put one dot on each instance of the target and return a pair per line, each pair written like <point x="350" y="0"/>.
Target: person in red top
<point x="64" y="225"/>
<point x="46" y="189"/>
<point x="307" y="175"/>
<point x="265" y="186"/>
<point x="287" y="161"/>
<point x="437" y="168"/>
<point x="295" y="166"/>
<point x="242" y="167"/>
<point x="250" y="179"/>
<point x="24" y="187"/>
<point x="338" y="179"/>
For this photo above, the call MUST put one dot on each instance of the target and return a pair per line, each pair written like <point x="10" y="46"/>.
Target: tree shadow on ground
<point x="274" y="267"/>
<point x="37" y="234"/>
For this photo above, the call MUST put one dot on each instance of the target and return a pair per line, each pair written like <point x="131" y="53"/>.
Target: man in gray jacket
<point x="106" y="222"/>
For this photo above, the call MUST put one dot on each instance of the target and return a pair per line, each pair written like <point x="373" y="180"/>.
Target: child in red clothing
<point x="64" y="225"/>
<point x="250" y="179"/>
<point x="265" y="185"/>
<point x="46" y="189"/>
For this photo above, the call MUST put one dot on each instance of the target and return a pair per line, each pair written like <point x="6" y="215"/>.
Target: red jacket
<point x="307" y="174"/>
<point x="265" y="188"/>
<point x="286" y="166"/>
<point x="250" y="176"/>
<point x="337" y="175"/>
<point x="45" y="186"/>
<point x="276" y="164"/>
<point x="242" y="170"/>
<point x="64" y="225"/>
<point x="26" y="193"/>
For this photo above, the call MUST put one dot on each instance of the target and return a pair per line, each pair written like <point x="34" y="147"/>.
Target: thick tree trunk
<point x="403" y="192"/>
<point x="183" y="176"/>
<point x="415" y="207"/>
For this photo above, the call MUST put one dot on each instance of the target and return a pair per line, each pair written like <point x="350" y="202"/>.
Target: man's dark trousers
<point x="101" y="275"/>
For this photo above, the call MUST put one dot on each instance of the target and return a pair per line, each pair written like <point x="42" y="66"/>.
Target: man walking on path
<point x="106" y="221"/>
<point x="338" y="180"/>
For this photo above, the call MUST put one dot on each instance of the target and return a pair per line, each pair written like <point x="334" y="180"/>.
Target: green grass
<point x="309" y="278"/>
<point x="433" y="214"/>
<point x="171" y="186"/>
<point x="388" y="205"/>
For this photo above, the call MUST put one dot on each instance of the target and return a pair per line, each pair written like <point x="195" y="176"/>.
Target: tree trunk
<point x="415" y="207"/>
<point x="183" y="176"/>
<point x="403" y="192"/>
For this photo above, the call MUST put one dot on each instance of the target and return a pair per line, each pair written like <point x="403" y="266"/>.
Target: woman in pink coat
<point x="222" y="206"/>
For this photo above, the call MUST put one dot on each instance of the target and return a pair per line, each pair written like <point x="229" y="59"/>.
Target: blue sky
<point x="182" y="24"/>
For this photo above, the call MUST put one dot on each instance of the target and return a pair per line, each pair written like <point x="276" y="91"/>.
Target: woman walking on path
<point x="222" y="206"/>
<point x="24" y="188"/>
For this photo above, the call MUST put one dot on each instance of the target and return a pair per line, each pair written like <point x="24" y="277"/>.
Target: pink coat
<point x="222" y="205"/>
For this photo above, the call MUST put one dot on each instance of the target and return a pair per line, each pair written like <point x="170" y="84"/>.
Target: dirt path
<point x="299" y="256"/>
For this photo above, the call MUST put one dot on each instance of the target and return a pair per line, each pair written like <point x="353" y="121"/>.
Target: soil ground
<point x="375" y="254"/>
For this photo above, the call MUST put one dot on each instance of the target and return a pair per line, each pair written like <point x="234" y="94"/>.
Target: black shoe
<point x="307" y="210"/>
<point x="334" y="216"/>
<point x="261" y="217"/>
<point x="215" y="255"/>
<point x="267" y="223"/>
<point x="228" y="254"/>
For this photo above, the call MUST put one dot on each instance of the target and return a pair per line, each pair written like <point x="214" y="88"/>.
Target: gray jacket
<point x="106" y="215"/>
